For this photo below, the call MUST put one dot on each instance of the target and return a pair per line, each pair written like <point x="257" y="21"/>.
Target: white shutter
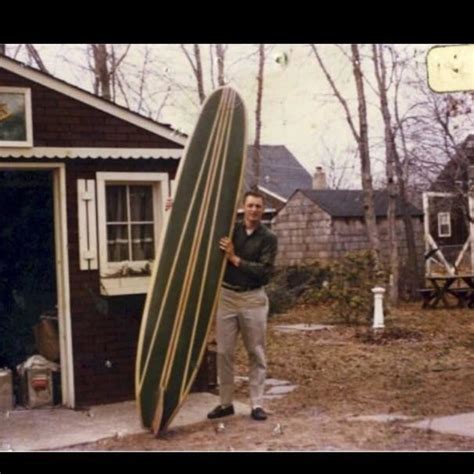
<point x="87" y="224"/>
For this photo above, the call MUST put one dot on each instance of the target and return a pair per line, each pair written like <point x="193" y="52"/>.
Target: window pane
<point x="141" y="203"/>
<point x="445" y="230"/>
<point x="117" y="243"/>
<point x="143" y="247"/>
<point x="116" y="198"/>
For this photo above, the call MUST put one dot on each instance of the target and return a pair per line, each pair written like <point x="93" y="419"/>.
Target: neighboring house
<point x="448" y="205"/>
<point x="320" y="225"/>
<point x="280" y="175"/>
<point x="83" y="184"/>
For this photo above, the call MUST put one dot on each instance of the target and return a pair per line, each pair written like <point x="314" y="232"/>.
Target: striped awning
<point x="92" y="153"/>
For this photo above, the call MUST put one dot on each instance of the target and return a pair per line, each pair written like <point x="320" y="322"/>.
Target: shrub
<point x="348" y="287"/>
<point x="290" y="284"/>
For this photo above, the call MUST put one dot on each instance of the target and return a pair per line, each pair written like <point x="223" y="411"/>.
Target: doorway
<point x="34" y="288"/>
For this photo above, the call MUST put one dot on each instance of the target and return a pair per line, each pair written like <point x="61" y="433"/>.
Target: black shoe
<point x="258" y="414"/>
<point x="221" y="411"/>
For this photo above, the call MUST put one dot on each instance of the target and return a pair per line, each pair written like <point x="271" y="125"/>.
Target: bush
<point x="290" y="284"/>
<point x="348" y="287"/>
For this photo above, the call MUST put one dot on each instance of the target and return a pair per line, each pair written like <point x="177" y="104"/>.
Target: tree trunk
<point x="196" y="66"/>
<point x="3" y="49"/>
<point x="220" y="55"/>
<point x="381" y="76"/>
<point x="198" y="73"/>
<point x="258" y="118"/>
<point x="368" y="192"/>
<point x="413" y="270"/>
<point x="36" y="58"/>
<point x="412" y="264"/>
<point x="101" y="71"/>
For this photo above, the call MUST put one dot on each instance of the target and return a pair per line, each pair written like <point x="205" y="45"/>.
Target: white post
<point x="378" y="292"/>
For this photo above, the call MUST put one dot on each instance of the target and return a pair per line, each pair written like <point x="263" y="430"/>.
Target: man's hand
<point x="168" y="204"/>
<point x="227" y="246"/>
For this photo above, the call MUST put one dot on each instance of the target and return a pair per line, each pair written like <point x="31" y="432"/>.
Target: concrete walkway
<point x="58" y="428"/>
<point x="462" y="424"/>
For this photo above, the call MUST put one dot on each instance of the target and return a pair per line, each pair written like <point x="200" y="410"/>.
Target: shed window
<point x="131" y="222"/>
<point x="444" y="224"/>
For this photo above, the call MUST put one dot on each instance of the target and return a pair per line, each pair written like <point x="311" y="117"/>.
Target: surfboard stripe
<point x="186" y="278"/>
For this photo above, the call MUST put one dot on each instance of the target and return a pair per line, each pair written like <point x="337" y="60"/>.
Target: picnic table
<point x="461" y="287"/>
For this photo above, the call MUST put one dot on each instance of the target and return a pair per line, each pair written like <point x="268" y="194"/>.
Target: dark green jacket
<point x="257" y="253"/>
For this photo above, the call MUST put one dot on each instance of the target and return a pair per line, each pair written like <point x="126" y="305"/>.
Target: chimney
<point x="319" y="179"/>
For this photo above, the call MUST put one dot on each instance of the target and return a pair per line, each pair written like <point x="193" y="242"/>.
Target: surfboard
<point x="185" y="283"/>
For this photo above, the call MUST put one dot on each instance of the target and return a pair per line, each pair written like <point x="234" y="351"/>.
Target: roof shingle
<point x="350" y="203"/>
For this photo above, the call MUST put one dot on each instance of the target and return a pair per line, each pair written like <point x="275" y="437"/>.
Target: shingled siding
<point x="104" y="329"/>
<point x="61" y="121"/>
<point x="307" y="234"/>
<point x="304" y="232"/>
<point x="350" y="234"/>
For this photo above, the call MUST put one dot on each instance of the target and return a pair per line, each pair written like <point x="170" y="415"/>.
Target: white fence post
<point x="378" y="292"/>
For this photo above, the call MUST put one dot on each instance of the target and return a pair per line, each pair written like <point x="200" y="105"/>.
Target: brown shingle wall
<point x="104" y="329"/>
<point x="61" y="121"/>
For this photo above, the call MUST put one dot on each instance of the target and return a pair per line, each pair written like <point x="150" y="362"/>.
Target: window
<point x="130" y="222"/>
<point x="130" y="217"/>
<point x="444" y="224"/>
<point x="16" y="125"/>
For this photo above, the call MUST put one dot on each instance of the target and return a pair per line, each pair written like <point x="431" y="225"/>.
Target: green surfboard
<point x="183" y="294"/>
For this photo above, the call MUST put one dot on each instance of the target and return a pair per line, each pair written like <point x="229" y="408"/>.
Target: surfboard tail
<point x="156" y="427"/>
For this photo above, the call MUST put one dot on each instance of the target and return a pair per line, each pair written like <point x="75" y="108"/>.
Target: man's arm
<point x="261" y="268"/>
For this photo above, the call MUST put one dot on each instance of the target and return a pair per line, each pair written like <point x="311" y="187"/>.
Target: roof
<point x="88" y="98"/>
<point x="280" y="172"/>
<point x="349" y="203"/>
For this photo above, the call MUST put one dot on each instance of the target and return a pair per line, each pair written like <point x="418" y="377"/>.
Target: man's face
<point x="253" y="209"/>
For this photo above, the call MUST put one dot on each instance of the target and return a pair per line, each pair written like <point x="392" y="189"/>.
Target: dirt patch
<point x="422" y="365"/>
<point x="388" y="335"/>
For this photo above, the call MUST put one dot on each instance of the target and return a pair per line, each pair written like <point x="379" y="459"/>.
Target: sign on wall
<point x="15" y="117"/>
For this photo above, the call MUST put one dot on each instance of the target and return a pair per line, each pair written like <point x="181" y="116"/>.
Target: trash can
<point x="36" y="382"/>
<point x="37" y="388"/>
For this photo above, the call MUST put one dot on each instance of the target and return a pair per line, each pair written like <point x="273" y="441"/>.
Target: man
<point x="244" y="305"/>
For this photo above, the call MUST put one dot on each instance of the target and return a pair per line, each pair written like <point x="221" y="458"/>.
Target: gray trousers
<point x="245" y="312"/>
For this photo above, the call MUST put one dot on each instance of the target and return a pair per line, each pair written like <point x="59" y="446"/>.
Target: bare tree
<point x="362" y="139"/>
<point x="196" y="66"/>
<point x="413" y="273"/>
<point x="390" y="151"/>
<point x="101" y="72"/>
<point x="258" y="118"/>
<point x="104" y="64"/>
<point x="3" y="49"/>
<point x="36" y="58"/>
<point x="336" y="170"/>
<point x="220" y="56"/>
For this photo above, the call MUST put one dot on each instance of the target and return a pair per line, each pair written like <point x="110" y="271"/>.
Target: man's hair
<point x="254" y="193"/>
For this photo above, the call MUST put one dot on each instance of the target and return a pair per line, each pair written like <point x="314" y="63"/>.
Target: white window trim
<point x="442" y="215"/>
<point x="127" y="284"/>
<point x="28" y="143"/>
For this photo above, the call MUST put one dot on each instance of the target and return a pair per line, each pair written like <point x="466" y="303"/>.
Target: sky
<point x="299" y="109"/>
